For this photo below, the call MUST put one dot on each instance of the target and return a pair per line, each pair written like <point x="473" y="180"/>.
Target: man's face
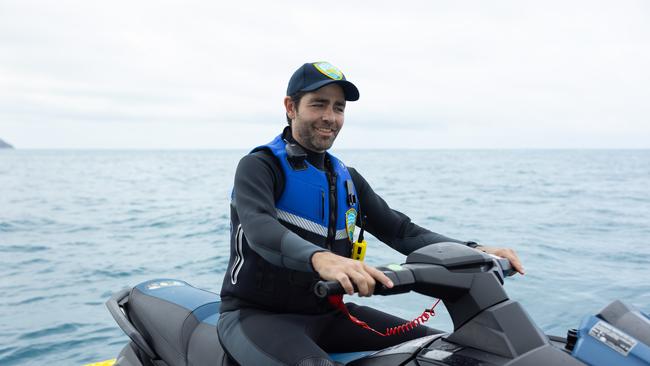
<point x="318" y="118"/>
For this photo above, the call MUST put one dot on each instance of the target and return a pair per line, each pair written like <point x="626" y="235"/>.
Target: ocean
<point x="76" y="226"/>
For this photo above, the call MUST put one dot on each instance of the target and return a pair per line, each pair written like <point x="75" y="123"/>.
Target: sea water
<point x="76" y="226"/>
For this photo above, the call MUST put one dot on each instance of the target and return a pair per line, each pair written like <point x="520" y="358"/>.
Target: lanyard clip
<point x="352" y="197"/>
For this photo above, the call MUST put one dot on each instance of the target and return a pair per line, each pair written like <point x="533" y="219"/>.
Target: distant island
<point x="4" y="145"/>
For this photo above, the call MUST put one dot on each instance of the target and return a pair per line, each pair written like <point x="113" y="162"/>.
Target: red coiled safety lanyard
<point x="337" y="302"/>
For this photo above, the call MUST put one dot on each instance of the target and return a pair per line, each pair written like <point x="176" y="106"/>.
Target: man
<point x="293" y="212"/>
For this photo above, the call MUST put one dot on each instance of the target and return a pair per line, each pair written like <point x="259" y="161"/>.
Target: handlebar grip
<point x="324" y="289"/>
<point x="403" y="280"/>
<point x="504" y="267"/>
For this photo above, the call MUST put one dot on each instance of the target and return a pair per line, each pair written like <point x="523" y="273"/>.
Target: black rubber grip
<point x="403" y="281"/>
<point x="327" y="288"/>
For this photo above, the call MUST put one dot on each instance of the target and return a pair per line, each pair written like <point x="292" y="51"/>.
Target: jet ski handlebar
<point x="468" y="281"/>
<point x="404" y="280"/>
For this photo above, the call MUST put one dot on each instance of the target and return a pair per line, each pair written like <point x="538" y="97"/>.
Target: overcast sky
<point x="432" y="74"/>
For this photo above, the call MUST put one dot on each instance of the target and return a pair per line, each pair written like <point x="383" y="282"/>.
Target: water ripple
<point x="60" y="329"/>
<point x="19" y="355"/>
<point x="98" y="273"/>
<point x="23" y="248"/>
<point x="36" y="299"/>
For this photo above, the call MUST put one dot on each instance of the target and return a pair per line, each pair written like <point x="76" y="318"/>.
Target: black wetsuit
<point x="253" y="335"/>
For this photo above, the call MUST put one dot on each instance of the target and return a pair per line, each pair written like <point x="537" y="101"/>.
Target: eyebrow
<point x="320" y="100"/>
<point x="326" y="101"/>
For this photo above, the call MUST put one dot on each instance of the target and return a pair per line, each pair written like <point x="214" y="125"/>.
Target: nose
<point x="329" y="115"/>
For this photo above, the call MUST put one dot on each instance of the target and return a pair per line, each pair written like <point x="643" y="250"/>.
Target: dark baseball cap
<point x="315" y="75"/>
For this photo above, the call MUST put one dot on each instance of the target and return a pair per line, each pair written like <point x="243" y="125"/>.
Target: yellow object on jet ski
<point x="102" y="363"/>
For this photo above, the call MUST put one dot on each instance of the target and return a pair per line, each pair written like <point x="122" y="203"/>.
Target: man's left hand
<point x="507" y="253"/>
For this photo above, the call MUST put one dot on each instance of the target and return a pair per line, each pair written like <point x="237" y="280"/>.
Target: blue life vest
<point x="319" y="206"/>
<point x="305" y="201"/>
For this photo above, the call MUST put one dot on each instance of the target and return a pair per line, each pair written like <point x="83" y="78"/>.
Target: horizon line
<point x="337" y="149"/>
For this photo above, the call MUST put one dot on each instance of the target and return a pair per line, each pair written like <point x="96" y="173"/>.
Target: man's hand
<point x="346" y="271"/>
<point x="507" y="253"/>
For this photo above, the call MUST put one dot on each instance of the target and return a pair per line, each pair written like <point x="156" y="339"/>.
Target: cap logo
<point x="328" y="70"/>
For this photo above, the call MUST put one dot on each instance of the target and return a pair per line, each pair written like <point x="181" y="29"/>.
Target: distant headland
<point x="4" y="145"/>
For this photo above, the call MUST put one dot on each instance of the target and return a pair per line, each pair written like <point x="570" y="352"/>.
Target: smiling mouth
<point x="325" y="130"/>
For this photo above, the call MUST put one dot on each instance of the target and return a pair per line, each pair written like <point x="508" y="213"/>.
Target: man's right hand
<point x="346" y="271"/>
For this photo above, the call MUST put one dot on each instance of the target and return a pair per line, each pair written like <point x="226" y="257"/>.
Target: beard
<point x="315" y="136"/>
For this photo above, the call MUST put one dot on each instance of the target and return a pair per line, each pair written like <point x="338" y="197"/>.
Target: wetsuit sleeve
<point x="257" y="182"/>
<point x="391" y="226"/>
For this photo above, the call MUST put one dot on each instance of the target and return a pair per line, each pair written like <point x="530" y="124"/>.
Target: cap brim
<point x="349" y="90"/>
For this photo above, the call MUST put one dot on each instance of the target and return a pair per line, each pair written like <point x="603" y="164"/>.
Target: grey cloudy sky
<point x="432" y="74"/>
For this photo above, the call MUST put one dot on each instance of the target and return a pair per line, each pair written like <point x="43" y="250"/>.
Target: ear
<point x="289" y="107"/>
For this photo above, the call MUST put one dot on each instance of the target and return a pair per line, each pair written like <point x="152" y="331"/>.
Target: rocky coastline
<point x="5" y="145"/>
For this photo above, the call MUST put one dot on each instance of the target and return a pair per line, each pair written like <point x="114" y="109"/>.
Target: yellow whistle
<point x="359" y="246"/>
<point x="359" y="250"/>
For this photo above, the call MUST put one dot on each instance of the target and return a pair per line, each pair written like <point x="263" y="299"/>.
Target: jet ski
<point x="171" y="323"/>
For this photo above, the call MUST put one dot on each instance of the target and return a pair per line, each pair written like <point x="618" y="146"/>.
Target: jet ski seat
<point x="159" y="308"/>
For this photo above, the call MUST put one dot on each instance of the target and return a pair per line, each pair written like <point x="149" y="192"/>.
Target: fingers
<point x="515" y="262"/>
<point x="380" y="276"/>
<point x="344" y="280"/>
<point x="509" y="254"/>
<point x="513" y="258"/>
<point x="364" y="282"/>
<point x="365" y="278"/>
<point x="348" y="272"/>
